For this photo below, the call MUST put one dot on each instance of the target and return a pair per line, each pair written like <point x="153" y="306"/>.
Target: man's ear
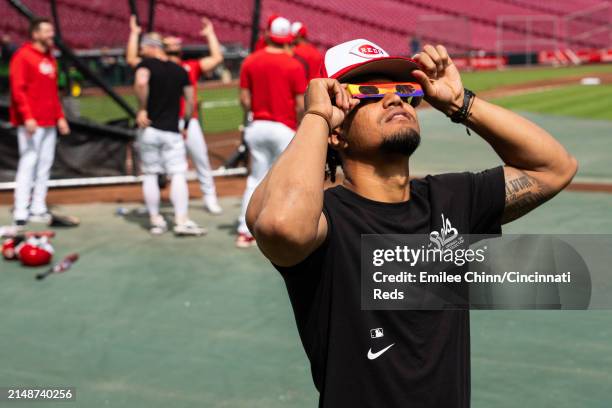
<point x="336" y="139"/>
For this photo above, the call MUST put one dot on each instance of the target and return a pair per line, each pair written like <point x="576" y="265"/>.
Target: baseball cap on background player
<point x="298" y="29"/>
<point x="152" y="40"/>
<point x="271" y="18"/>
<point x="362" y="57"/>
<point x="280" y="31"/>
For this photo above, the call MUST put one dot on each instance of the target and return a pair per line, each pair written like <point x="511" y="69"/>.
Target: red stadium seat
<point x="467" y="25"/>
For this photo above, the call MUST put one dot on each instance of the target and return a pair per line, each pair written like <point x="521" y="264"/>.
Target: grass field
<point x="589" y="102"/>
<point x="580" y="101"/>
<point x="485" y="80"/>
<point x="216" y="118"/>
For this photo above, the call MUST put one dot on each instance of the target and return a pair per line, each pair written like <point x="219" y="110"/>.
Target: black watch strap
<point x="461" y="115"/>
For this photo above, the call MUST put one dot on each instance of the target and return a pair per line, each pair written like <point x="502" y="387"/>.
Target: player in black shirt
<point x="159" y="85"/>
<point x="167" y="83"/>
<point x="374" y="358"/>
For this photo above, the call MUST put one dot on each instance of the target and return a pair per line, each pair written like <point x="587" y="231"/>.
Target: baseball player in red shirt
<point x="195" y="142"/>
<point x="305" y="50"/>
<point x="36" y="111"/>
<point x="272" y="84"/>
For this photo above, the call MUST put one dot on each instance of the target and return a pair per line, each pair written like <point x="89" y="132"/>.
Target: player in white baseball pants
<point x="198" y="151"/>
<point x="163" y="152"/>
<point x="36" y="154"/>
<point x="266" y="140"/>
<point x="196" y="145"/>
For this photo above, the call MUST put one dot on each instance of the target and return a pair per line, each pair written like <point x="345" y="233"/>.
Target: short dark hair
<point x="35" y="24"/>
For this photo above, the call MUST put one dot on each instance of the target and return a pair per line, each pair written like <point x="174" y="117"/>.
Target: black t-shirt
<point x="165" y="91"/>
<point x="429" y="364"/>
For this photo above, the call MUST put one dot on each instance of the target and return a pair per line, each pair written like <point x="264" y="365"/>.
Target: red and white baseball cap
<point x="361" y="57"/>
<point x="280" y="31"/>
<point x="271" y="18"/>
<point x="298" y="28"/>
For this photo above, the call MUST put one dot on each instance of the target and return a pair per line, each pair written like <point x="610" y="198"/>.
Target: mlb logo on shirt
<point x="376" y="333"/>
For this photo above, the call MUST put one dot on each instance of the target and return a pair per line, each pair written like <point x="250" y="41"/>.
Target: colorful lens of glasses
<point x="363" y="91"/>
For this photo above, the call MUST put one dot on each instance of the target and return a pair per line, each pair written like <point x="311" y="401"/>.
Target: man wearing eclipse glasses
<point x="361" y="116"/>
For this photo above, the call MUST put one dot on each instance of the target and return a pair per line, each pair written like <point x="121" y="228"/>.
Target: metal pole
<point x="151" y="15"/>
<point x="255" y="24"/>
<point x="78" y="64"/>
<point x="58" y="37"/>
<point x="134" y="10"/>
<point x="58" y="27"/>
<point x="241" y="154"/>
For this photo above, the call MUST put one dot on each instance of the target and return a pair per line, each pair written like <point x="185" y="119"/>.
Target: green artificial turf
<point x="589" y="102"/>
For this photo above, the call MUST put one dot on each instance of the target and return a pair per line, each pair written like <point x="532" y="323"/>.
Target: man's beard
<point x="403" y="142"/>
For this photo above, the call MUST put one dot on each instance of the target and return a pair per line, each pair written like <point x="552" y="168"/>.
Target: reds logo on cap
<point x="368" y="50"/>
<point x="359" y="57"/>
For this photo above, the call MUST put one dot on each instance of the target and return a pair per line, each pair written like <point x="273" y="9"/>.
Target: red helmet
<point x="36" y="252"/>
<point x="8" y="249"/>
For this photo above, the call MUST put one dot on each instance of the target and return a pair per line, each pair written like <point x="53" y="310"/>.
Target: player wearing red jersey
<point x="306" y="51"/>
<point x="272" y="84"/>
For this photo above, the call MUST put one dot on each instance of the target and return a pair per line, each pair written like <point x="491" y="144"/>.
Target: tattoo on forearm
<point x="523" y="194"/>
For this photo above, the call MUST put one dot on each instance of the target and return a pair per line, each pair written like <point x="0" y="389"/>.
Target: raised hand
<point x="329" y="97"/>
<point x="134" y="27"/>
<point x="439" y="78"/>
<point x="207" y="27"/>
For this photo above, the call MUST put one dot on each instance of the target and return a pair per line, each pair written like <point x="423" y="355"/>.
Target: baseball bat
<point x="59" y="267"/>
<point x="134" y="10"/>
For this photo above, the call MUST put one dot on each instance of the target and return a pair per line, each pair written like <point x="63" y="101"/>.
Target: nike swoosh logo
<point x="374" y="356"/>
